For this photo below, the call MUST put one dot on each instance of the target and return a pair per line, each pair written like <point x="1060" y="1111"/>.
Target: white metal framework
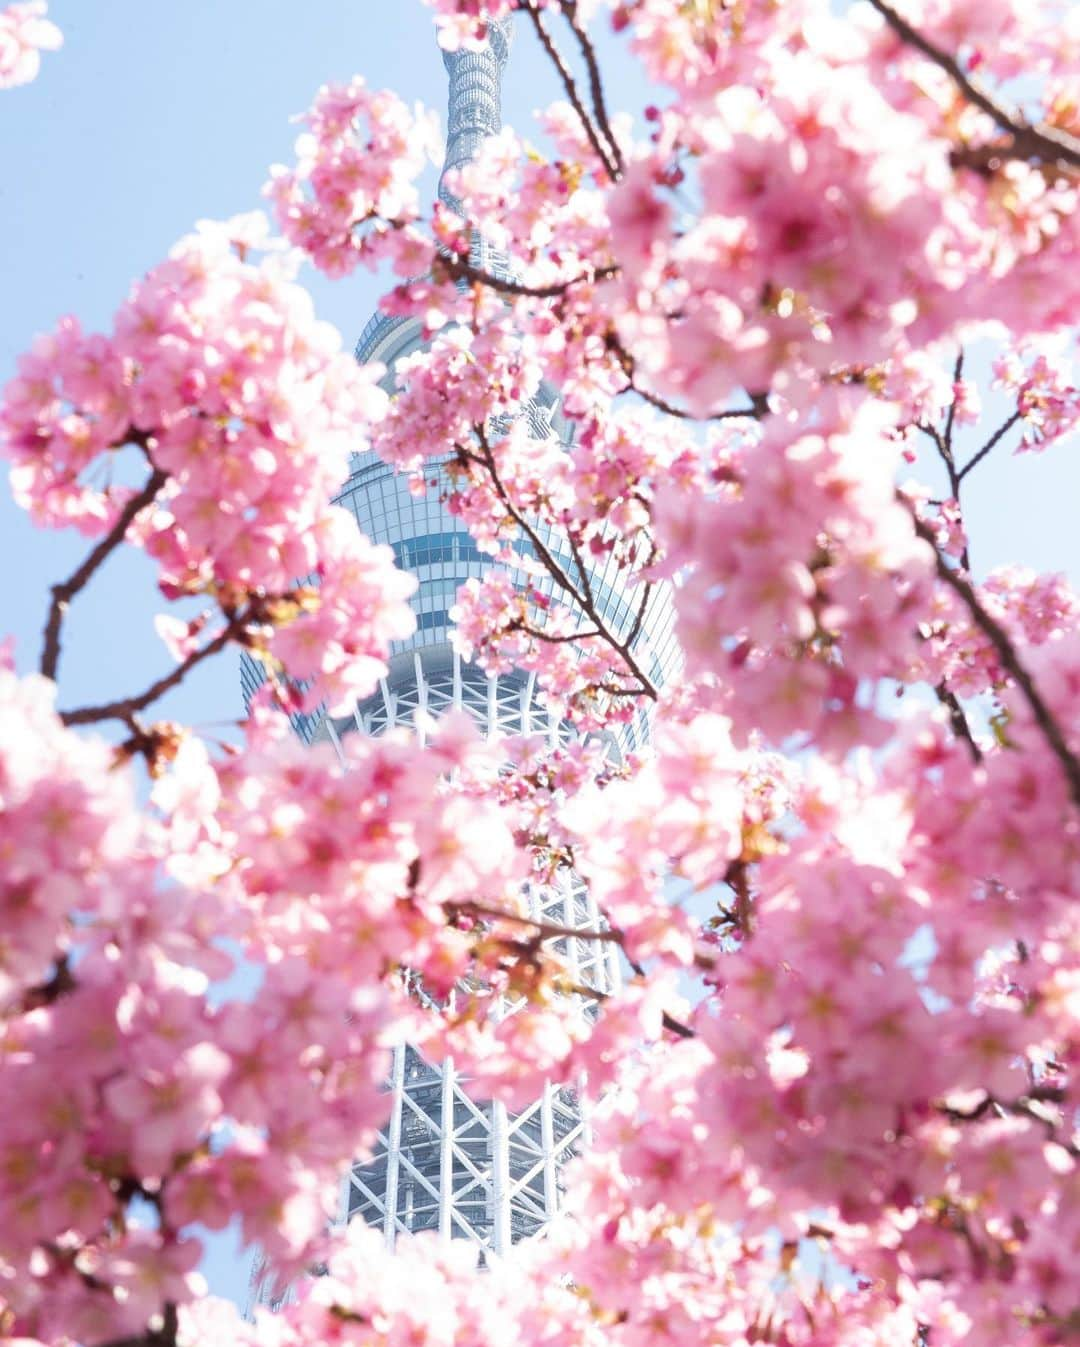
<point x="447" y="1162"/>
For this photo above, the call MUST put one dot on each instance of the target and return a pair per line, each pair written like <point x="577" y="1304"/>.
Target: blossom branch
<point x="1023" y="1107"/>
<point x="561" y="638"/>
<point x="950" y="416"/>
<point x="486" y="460"/>
<point x="643" y="603"/>
<point x="62" y="594"/>
<point x="545" y="930"/>
<point x="670" y="1023"/>
<point x="584" y="600"/>
<point x="1006" y="652"/>
<point x="164" y="1336"/>
<point x="1029" y="142"/>
<point x="958" y="721"/>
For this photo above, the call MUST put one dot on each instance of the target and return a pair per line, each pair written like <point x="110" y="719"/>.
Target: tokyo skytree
<point x="447" y="1162"/>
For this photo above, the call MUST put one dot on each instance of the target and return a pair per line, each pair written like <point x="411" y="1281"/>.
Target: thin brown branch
<point x="583" y="574"/>
<point x="59" y="983"/>
<point x="950" y="418"/>
<point x="670" y="1023"/>
<point x="570" y="85"/>
<point x="558" y="574"/>
<point x="957" y="719"/>
<point x="130" y="706"/>
<point x="943" y="444"/>
<point x="612" y="690"/>
<point x="62" y="594"/>
<point x="564" y="638"/>
<point x="487" y="461"/>
<point x="994" y="439"/>
<point x="546" y="930"/>
<point x="596" y="84"/>
<point x="639" y="616"/>
<point x="1043" y="141"/>
<point x="757" y="411"/>
<point x="1024" y="1107"/>
<point x="460" y="270"/>
<point x="1006" y="653"/>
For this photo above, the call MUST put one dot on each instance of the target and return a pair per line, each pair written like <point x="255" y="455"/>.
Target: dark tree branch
<point x="486" y="459"/>
<point x="1024" y="1107"/>
<point x="596" y="84"/>
<point x="1006" y="653"/>
<point x="757" y="411"/>
<point x="60" y="982"/>
<point x="583" y="574"/>
<point x="566" y="75"/>
<point x="461" y="270"/>
<point x="129" y="706"/>
<point x="943" y="444"/>
<point x="165" y="1336"/>
<point x="62" y="594"/>
<point x="994" y="439"/>
<point x="670" y="1023"/>
<point x="545" y="930"/>
<point x="957" y="720"/>
<point x="566" y="638"/>
<point x="639" y="616"/>
<point x="1029" y="142"/>
<point x="950" y="418"/>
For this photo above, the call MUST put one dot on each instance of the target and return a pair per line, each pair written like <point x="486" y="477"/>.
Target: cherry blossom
<point x="24" y="33"/>
<point x="721" y="382"/>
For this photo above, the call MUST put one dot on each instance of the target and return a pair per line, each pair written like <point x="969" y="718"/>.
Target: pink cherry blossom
<point x="24" y="32"/>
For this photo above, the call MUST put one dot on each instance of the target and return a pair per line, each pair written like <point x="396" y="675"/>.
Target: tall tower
<point x="446" y="1162"/>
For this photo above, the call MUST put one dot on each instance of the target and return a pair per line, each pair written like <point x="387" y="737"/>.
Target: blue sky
<point x="155" y="115"/>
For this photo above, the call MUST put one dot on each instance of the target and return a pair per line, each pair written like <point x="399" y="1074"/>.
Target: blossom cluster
<point x="340" y="183"/>
<point x="809" y="566"/>
<point x="218" y="374"/>
<point x="152" y="1109"/>
<point x="24" y="33"/>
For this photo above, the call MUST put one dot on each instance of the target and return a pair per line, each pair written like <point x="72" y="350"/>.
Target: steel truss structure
<point x="468" y="1168"/>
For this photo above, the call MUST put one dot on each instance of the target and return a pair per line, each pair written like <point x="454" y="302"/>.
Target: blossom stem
<point x="459" y="269"/>
<point x="165" y="1336"/>
<point x="757" y="411"/>
<point x="994" y="439"/>
<point x="584" y="600"/>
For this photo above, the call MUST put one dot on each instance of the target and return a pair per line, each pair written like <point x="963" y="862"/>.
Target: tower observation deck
<point x="446" y="1162"/>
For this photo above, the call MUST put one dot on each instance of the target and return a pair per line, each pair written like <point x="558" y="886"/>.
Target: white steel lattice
<point x="446" y="1162"/>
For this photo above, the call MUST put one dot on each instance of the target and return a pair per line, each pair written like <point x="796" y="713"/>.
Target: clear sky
<point x="155" y="115"/>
